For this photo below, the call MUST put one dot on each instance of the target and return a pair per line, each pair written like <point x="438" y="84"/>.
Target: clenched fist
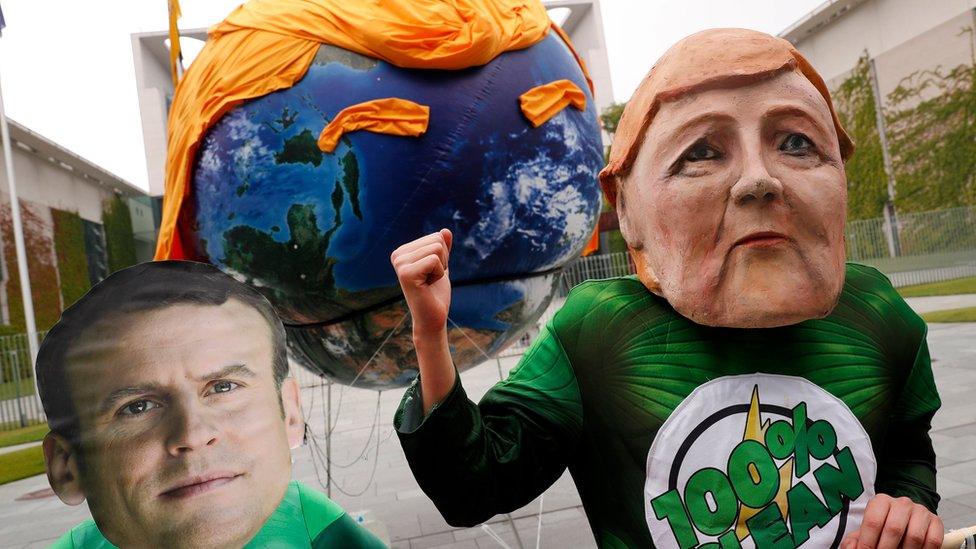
<point x="421" y="267"/>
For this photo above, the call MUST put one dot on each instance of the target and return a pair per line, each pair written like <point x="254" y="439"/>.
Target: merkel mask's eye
<point x="391" y="116"/>
<point x="543" y="102"/>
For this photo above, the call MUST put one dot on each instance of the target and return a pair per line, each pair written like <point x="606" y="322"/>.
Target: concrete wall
<point x="51" y="177"/>
<point x="944" y="45"/>
<point x="879" y="26"/>
<point x="154" y="86"/>
<point x="49" y="183"/>
<point x="585" y="29"/>
<point x="143" y="227"/>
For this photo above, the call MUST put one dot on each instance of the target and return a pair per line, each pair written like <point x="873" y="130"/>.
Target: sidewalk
<point x="941" y="302"/>
<point x="373" y="476"/>
<point x="14" y="448"/>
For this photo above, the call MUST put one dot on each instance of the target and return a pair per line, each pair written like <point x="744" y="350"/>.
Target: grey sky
<point x="67" y="73"/>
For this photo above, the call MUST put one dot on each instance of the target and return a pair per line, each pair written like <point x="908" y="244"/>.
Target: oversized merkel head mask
<point x="727" y="173"/>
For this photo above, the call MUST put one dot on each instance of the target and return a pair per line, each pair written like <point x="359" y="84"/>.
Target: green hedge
<point x="40" y="265"/>
<point x="69" y="246"/>
<point x="867" y="184"/>
<point x="615" y="242"/>
<point x="119" y="240"/>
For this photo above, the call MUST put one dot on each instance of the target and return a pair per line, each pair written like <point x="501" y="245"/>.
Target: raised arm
<point x="421" y="267"/>
<point x="478" y="460"/>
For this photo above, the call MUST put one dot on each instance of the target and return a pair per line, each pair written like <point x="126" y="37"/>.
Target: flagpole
<point x="25" y="288"/>
<point x="175" y="49"/>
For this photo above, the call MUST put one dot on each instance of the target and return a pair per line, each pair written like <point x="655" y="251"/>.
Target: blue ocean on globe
<point x="313" y="231"/>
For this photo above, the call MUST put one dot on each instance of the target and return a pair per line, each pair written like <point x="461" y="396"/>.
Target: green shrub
<point x="867" y="184"/>
<point x="119" y="240"/>
<point x="69" y="246"/>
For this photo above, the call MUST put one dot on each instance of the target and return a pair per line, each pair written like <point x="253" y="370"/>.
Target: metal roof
<point x="27" y="140"/>
<point x="823" y="15"/>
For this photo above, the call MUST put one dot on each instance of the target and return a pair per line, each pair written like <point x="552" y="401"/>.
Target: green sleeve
<point x="344" y="532"/>
<point x="476" y="461"/>
<point x="906" y="459"/>
<point x="906" y="462"/>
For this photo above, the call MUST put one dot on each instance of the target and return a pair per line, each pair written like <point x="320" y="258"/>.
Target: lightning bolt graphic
<point x="756" y="430"/>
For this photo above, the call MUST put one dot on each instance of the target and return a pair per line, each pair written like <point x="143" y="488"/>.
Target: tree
<point x="610" y="117"/>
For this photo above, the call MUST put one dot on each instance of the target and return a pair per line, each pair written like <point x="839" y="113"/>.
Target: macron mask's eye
<point x="391" y="116"/>
<point x="543" y="102"/>
<point x="137" y="407"/>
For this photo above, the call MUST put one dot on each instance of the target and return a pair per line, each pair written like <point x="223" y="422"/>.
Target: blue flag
<point x="2" y="22"/>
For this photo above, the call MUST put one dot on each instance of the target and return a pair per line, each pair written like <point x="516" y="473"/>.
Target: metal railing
<point x="594" y="267"/>
<point x="917" y="248"/>
<point x="19" y="405"/>
<point x="912" y="249"/>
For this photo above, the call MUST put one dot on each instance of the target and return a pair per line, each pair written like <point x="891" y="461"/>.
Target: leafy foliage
<point x="69" y="246"/>
<point x="610" y="117"/>
<point x="119" y="240"/>
<point x="931" y="122"/>
<point x="609" y="120"/>
<point x="854" y="101"/>
<point x="615" y="242"/>
<point x="40" y="265"/>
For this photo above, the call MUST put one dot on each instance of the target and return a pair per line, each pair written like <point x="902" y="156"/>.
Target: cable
<point x="538" y="532"/>
<point x="342" y="391"/>
<point x="491" y="533"/>
<point x="316" y="450"/>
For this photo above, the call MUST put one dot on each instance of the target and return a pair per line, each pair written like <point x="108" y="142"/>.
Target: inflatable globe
<point x="314" y="231"/>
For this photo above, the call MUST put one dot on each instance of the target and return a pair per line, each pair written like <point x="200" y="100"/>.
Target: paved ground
<point x="941" y="302"/>
<point x="379" y="483"/>
<point x="953" y="348"/>
<point x="14" y="448"/>
<point x="377" y="480"/>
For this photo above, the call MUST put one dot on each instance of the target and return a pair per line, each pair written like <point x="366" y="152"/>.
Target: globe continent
<point x="313" y="231"/>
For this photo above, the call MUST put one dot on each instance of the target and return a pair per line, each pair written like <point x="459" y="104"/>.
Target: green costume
<point x="607" y="372"/>
<point x="305" y="518"/>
